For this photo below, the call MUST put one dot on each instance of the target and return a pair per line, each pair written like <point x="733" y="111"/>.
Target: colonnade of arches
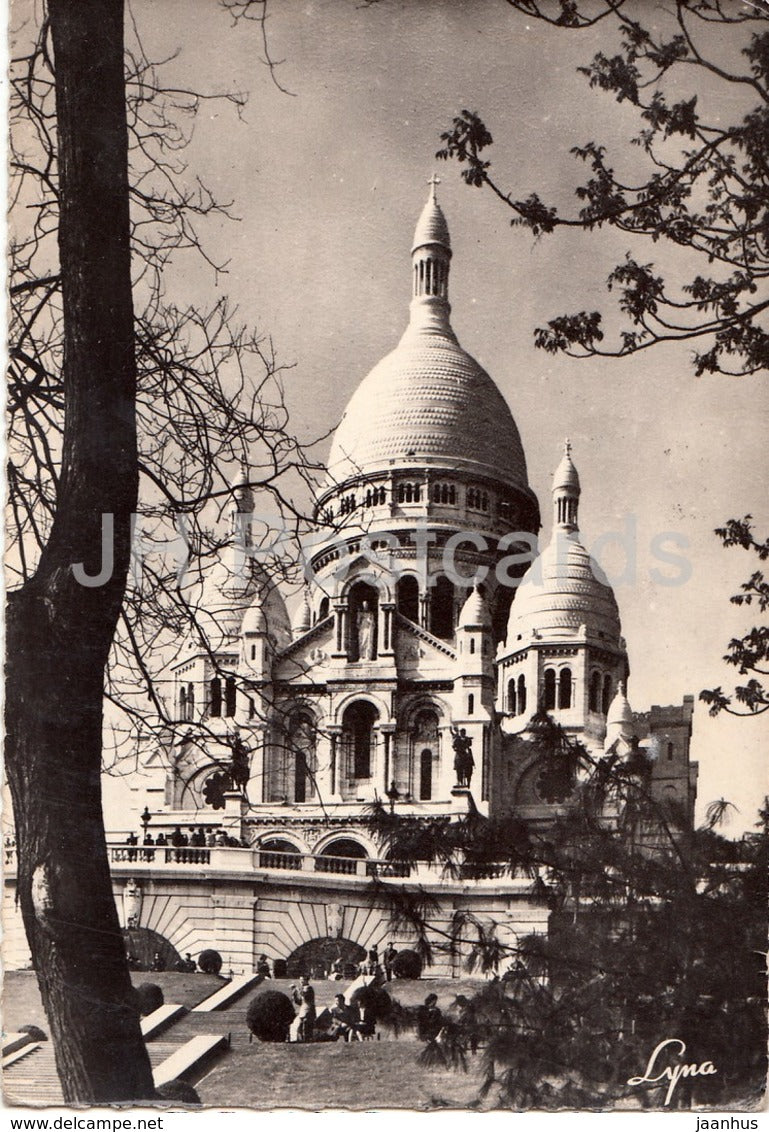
<point x="357" y="753"/>
<point x="557" y="691"/>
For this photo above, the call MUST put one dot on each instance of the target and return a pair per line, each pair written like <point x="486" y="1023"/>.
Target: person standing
<point x="388" y="958"/>
<point x="303" y="1026"/>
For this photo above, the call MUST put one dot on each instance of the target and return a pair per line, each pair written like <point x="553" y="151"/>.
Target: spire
<point x="241" y="508"/>
<point x="430" y="257"/>
<point x="566" y="492"/>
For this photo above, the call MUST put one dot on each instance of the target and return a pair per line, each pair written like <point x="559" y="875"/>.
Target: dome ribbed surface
<point x="432" y="227"/>
<point x="235" y="591"/>
<point x="474" y="612"/>
<point x="561" y="591"/>
<point x="428" y="400"/>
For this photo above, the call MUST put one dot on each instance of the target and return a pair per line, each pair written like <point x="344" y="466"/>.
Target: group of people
<point x="195" y="839"/>
<point x="433" y="1024"/>
<point x="344" y="1020"/>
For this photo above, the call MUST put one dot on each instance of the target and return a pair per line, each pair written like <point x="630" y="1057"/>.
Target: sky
<point x="327" y="183"/>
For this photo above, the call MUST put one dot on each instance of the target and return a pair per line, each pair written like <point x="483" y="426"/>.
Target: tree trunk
<point x="59" y="630"/>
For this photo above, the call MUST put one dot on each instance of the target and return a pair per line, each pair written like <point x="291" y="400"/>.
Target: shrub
<point x="34" y="1032"/>
<point x="210" y="962"/>
<point x="149" y="998"/>
<point x="407" y="965"/>
<point x="178" y="1090"/>
<point x="269" y="1016"/>
<point x="374" y="1003"/>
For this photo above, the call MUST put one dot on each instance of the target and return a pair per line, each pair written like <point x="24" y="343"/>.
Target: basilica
<point x="430" y="632"/>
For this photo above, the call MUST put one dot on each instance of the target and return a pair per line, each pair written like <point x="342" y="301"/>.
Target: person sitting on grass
<point x="343" y="1019"/>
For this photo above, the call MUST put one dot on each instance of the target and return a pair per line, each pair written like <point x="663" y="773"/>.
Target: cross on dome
<point x="434" y="181"/>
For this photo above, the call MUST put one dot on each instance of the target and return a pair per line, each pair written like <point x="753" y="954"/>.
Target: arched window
<point x="548" y="698"/>
<point x="230" y="696"/>
<point x="606" y="694"/>
<point x="368" y="497"/>
<point x="471" y="704"/>
<point x="671" y="749"/>
<point x="216" y="695"/>
<point x="183" y="703"/>
<point x="426" y="775"/>
<point x="407" y="597"/>
<point x="472" y="645"/>
<point x="323" y="609"/>
<point x="358" y="737"/>
<point x="190" y="702"/>
<point x="521" y="694"/>
<point x="442" y="608"/>
<point x="301" y="755"/>
<point x="594" y="701"/>
<point x="511" y="698"/>
<point x="564" y="688"/>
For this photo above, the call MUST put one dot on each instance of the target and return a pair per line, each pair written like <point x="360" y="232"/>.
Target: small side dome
<point x="255" y="620"/>
<point x="302" y="620"/>
<point x="475" y="612"/>
<point x="619" y="718"/>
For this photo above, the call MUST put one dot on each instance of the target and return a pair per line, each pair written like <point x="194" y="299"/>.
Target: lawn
<point x="362" y="1075"/>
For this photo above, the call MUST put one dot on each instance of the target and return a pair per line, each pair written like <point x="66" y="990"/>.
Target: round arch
<point x="366" y="697"/>
<point x="297" y="845"/>
<point x="316" y="957"/>
<point x="143" y="945"/>
<point x="321" y="847"/>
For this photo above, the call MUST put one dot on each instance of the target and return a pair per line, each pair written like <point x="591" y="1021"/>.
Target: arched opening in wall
<point x="302" y="756"/>
<point x="323" y="609"/>
<point x="442" y="609"/>
<point x="216" y="696"/>
<point x="594" y="700"/>
<point x="426" y="775"/>
<point x="147" y="950"/>
<point x="500" y="612"/>
<point x="606" y="694"/>
<point x="358" y="738"/>
<point x="511" y="697"/>
<point x="425" y="743"/>
<point x="277" y="853"/>
<point x="230" y="696"/>
<point x="407" y="597"/>
<point x="317" y="957"/>
<point x="363" y="607"/>
<point x="340" y="856"/>
<point x="548" y="694"/>
<point x="564" y="688"/>
<point x="183" y="703"/>
<point x="521" y="694"/>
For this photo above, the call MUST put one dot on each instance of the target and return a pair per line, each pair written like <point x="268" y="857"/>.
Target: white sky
<point x="328" y="185"/>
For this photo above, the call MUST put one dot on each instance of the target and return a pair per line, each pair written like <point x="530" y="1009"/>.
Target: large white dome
<point x="429" y="402"/>
<point x="561" y="591"/>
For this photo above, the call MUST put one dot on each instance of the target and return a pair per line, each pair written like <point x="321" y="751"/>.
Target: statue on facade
<point x="366" y="625"/>
<point x="464" y="763"/>
<point x="239" y="769"/>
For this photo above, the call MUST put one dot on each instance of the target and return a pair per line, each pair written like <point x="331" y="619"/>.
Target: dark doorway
<point x="357" y="731"/>
<point x="316" y="957"/>
<point x="407" y="597"/>
<point x="426" y="775"/>
<point x="442" y="609"/>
